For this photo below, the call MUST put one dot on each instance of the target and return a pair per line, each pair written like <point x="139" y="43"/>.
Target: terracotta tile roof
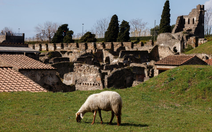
<point x="12" y="81"/>
<point x="23" y="62"/>
<point x="209" y="61"/>
<point x="175" y="60"/>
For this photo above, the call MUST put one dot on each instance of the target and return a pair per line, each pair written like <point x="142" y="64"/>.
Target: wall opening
<point x="175" y="49"/>
<point x="62" y="46"/>
<point x="47" y="48"/>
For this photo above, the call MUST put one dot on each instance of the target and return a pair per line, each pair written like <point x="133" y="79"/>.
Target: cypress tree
<point x="124" y="32"/>
<point x="111" y="34"/>
<point x="60" y="34"/>
<point x="165" y="19"/>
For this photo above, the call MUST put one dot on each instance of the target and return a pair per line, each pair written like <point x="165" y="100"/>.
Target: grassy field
<point x="176" y="100"/>
<point x="204" y="48"/>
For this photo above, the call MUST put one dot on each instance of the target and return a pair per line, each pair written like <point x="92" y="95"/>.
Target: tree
<point x="165" y="19"/>
<point x="100" y="27"/>
<point x="208" y="21"/>
<point x="137" y="26"/>
<point x="124" y="32"/>
<point x="111" y="34"/>
<point x="88" y="37"/>
<point x="68" y="37"/>
<point x="60" y="34"/>
<point x="46" y="31"/>
<point x="155" y="30"/>
<point x="6" y="30"/>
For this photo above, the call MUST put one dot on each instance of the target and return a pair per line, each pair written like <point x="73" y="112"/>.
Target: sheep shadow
<point x="122" y="124"/>
<point x="135" y="125"/>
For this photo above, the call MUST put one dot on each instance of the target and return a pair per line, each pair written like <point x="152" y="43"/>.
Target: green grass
<point x="204" y="48"/>
<point x="176" y="100"/>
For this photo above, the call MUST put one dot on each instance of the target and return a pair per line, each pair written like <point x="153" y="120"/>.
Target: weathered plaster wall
<point x="47" y="79"/>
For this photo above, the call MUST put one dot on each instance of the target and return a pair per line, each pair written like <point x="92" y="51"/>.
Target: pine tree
<point x="68" y="37"/>
<point x="88" y="37"/>
<point x="60" y="34"/>
<point x="111" y="34"/>
<point x="165" y="19"/>
<point x="124" y="32"/>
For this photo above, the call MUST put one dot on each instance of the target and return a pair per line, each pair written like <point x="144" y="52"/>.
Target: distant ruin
<point x="188" y="30"/>
<point x="91" y="66"/>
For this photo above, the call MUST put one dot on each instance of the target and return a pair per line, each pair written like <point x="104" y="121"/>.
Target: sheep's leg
<point x="100" y="115"/>
<point x="94" y="116"/>
<point x="112" y="116"/>
<point x="118" y="119"/>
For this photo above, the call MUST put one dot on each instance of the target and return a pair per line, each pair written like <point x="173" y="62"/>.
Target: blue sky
<point x="26" y="14"/>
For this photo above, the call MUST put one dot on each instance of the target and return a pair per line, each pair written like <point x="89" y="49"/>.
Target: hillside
<point x="176" y="100"/>
<point x="204" y="48"/>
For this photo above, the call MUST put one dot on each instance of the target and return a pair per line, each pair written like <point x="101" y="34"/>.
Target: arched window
<point x="193" y="21"/>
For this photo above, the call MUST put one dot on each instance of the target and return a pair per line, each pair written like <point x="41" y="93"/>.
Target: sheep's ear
<point x="81" y="115"/>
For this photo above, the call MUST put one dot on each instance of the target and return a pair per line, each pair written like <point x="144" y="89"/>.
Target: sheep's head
<point x="79" y="117"/>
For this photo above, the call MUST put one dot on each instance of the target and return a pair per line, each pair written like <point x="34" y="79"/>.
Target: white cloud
<point x="208" y="4"/>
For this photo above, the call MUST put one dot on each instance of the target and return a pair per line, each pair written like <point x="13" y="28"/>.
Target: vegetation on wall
<point x="111" y="34"/>
<point x="165" y="19"/>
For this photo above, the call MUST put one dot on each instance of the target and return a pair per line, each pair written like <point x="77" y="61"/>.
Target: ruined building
<point x="192" y="23"/>
<point x="188" y="30"/>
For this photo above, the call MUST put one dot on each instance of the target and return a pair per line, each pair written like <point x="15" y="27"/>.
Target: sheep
<point x="107" y="101"/>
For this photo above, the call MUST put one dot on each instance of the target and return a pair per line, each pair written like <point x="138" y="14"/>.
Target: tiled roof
<point x="12" y="81"/>
<point x="175" y="60"/>
<point x="23" y="62"/>
<point x="209" y="61"/>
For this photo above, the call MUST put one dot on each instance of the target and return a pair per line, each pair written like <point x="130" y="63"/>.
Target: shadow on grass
<point x="122" y="124"/>
<point x="135" y="125"/>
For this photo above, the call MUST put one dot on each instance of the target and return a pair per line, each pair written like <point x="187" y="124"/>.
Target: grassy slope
<point x="204" y="48"/>
<point x="176" y="100"/>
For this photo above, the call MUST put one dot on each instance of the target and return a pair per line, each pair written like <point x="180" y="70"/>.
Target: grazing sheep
<point x="107" y="101"/>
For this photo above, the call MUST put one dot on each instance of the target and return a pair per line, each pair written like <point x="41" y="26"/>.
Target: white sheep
<point x="107" y="101"/>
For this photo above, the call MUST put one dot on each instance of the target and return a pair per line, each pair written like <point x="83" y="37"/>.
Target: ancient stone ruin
<point x="188" y="30"/>
<point x="91" y="66"/>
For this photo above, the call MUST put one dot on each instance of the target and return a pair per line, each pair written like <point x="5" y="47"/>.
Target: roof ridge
<point x="23" y="62"/>
<point x="190" y="56"/>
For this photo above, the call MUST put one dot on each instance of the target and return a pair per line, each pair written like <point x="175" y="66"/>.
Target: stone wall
<point x="113" y="46"/>
<point x="47" y="79"/>
<point x="2" y="38"/>
<point x="85" y="77"/>
<point x="164" y="51"/>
